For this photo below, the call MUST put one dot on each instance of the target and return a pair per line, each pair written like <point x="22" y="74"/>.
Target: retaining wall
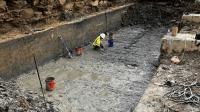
<point x="16" y="55"/>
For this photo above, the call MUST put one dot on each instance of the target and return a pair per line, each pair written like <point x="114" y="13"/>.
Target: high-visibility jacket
<point x="97" y="41"/>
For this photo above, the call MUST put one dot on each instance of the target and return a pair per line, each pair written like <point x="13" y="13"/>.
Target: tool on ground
<point x="36" y="67"/>
<point x="102" y="50"/>
<point x="65" y="45"/>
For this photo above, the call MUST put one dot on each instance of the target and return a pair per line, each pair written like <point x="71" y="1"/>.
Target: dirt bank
<point x="108" y="82"/>
<point x="154" y="13"/>
<point x="27" y="16"/>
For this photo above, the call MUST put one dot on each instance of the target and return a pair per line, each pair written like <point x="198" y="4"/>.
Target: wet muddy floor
<point x="110" y="81"/>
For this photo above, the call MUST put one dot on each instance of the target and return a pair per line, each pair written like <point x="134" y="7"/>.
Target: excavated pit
<point x="108" y="82"/>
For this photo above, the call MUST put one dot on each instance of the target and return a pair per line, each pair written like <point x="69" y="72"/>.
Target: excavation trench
<point x="112" y="81"/>
<point x="108" y="82"/>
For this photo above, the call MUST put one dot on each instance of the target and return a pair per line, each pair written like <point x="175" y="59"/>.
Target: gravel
<point x="13" y="99"/>
<point x="109" y="81"/>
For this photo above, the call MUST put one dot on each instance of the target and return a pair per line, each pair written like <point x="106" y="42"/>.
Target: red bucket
<point x="50" y="83"/>
<point x="79" y="51"/>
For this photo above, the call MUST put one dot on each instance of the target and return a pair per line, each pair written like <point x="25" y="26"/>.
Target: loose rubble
<point x="187" y="92"/>
<point x="177" y="86"/>
<point x="175" y="60"/>
<point x="13" y="99"/>
<point x="152" y="14"/>
<point x="163" y="13"/>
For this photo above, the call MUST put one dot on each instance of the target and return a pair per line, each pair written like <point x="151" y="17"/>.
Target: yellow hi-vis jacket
<point x="97" y="41"/>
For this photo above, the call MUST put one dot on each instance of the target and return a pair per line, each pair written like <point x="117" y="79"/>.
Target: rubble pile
<point x="158" y="13"/>
<point x="180" y="83"/>
<point x="190" y="28"/>
<point x="186" y="92"/>
<point x="150" y="14"/>
<point x="12" y="99"/>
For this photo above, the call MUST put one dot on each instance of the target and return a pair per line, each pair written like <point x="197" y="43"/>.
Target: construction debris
<point x="12" y="99"/>
<point x="152" y="14"/>
<point x="175" y="60"/>
<point x="163" y="13"/>
<point x="177" y="86"/>
<point x="187" y="92"/>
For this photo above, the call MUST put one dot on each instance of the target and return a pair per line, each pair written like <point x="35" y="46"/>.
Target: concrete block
<point x="197" y="1"/>
<point x="180" y="43"/>
<point x="194" y="18"/>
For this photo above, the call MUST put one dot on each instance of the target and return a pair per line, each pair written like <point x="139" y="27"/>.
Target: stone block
<point x="180" y="43"/>
<point x="193" y="18"/>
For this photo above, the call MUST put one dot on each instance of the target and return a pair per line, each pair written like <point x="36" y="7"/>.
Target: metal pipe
<point x="36" y="67"/>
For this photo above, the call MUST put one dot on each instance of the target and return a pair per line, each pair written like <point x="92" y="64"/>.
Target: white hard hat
<point x="102" y="35"/>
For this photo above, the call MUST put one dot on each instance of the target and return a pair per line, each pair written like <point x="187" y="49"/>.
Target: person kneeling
<point x="97" y="44"/>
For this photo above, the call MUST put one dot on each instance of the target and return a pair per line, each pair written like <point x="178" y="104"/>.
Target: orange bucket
<point x="79" y="51"/>
<point x="50" y="83"/>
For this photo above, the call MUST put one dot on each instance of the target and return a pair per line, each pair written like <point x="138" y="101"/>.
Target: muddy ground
<point x="112" y="81"/>
<point x="170" y="82"/>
